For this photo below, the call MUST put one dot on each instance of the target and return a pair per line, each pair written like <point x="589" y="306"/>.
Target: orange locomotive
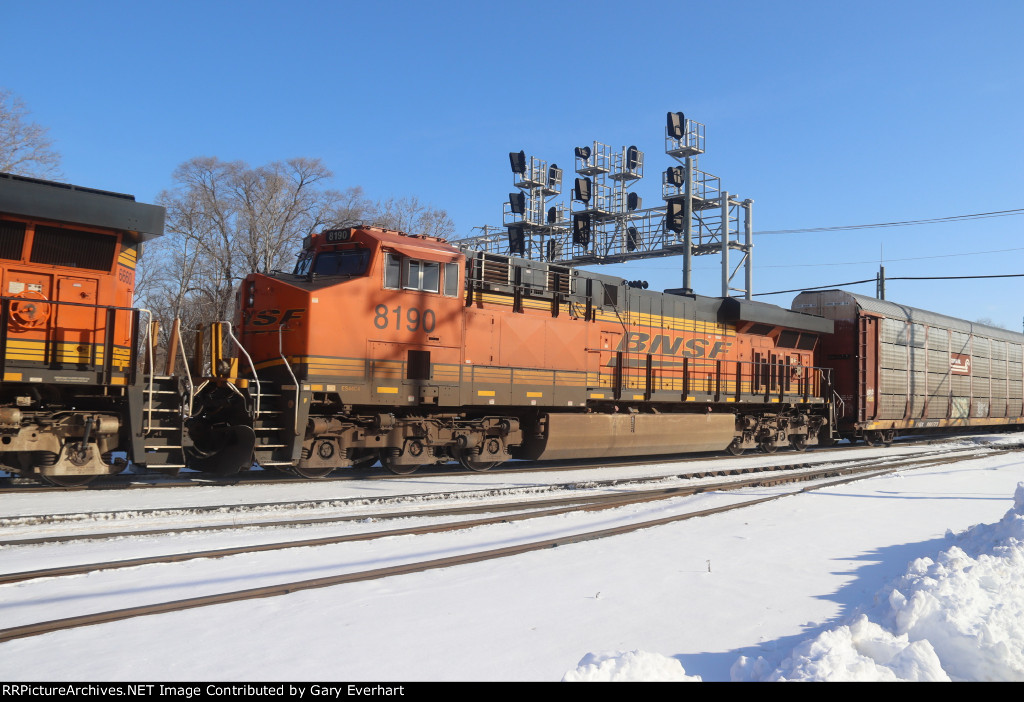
<point x="71" y="394"/>
<point x="405" y="349"/>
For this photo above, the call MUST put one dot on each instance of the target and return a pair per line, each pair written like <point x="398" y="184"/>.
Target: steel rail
<point x="228" y="510"/>
<point x="223" y="510"/>
<point x="852" y="474"/>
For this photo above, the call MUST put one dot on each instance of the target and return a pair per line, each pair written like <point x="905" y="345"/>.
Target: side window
<point x="392" y="271"/>
<point x="422" y="275"/>
<point x="451" y="279"/>
<point x="431" y="277"/>
<point x="412" y="274"/>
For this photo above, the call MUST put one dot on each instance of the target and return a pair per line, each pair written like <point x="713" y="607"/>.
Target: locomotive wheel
<point x="313" y="473"/>
<point x="477" y="466"/>
<point x="735" y="448"/>
<point x="799" y="443"/>
<point x="397" y="468"/>
<point x="68" y="481"/>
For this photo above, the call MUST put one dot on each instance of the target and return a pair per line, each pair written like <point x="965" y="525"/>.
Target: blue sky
<point x="824" y="113"/>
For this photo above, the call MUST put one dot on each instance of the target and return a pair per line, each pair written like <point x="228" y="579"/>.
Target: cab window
<point x="422" y="275"/>
<point x="304" y="263"/>
<point x="451" y="279"/>
<point x="414" y="274"/>
<point x="392" y="271"/>
<point x="349" y="263"/>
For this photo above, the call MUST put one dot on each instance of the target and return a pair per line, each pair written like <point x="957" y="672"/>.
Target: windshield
<point x="351" y="263"/>
<point x="303" y="264"/>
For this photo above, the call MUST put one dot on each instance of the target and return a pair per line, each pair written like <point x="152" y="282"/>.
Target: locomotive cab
<point x="345" y="258"/>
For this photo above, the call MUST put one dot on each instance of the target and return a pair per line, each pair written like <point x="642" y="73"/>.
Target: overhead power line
<point x="906" y="223"/>
<point x="887" y="278"/>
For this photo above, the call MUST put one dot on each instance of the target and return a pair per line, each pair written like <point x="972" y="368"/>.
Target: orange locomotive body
<point x="405" y="349"/>
<point x="71" y="392"/>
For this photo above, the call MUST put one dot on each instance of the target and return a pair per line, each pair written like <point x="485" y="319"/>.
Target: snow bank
<point x="959" y="616"/>
<point x="631" y="666"/>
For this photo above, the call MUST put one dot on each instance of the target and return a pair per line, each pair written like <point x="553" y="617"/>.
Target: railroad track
<point x="156" y="480"/>
<point x="824" y="476"/>
<point x="234" y="516"/>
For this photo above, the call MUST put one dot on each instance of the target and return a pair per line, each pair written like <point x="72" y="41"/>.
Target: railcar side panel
<point x="898" y="368"/>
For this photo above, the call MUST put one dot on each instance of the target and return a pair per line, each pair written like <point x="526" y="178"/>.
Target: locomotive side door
<point x="77" y="326"/>
<point x="603" y="370"/>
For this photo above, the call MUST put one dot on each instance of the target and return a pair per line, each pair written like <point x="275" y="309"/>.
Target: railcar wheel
<point x="768" y="446"/>
<point x="799" y="443"/>
<point x="392" y="464"/>
<point x="871" y="438"/>
<point x="735" y="448"/>
<point x="888" y="437"/>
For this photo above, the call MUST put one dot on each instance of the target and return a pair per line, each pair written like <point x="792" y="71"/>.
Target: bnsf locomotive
<point x="407" y="350"/>
<point x="72" y="391"/>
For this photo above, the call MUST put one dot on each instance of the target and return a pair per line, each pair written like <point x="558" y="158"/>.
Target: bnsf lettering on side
<point x="638" y="342"/>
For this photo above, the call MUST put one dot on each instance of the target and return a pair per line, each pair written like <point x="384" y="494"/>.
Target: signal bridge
<point x="605" y="221"/>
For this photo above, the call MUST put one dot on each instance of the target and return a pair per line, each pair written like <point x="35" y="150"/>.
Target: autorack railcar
<point x="898" y="369"/>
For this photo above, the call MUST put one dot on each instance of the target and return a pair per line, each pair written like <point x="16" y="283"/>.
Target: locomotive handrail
<point x="715" y="378"/>
<point x="108" y="345"/>
<point x="188" y="374"/>
<point x="9" y="298"/>
<point x="152" y="371"/>
<point x="255" y="376"/>
<point x="280" y="351"/>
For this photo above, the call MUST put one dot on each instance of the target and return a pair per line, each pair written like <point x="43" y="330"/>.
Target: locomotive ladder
<point x="268" y="424"/>
<point x="163" y="422"/>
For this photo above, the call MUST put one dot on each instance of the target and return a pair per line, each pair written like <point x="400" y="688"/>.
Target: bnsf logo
<point x="264" y="318"/>
<point x="638" y="342"/>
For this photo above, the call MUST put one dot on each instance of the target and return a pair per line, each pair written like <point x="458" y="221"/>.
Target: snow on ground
<point x="958" y="617"/>
<point x="913" y="576"/>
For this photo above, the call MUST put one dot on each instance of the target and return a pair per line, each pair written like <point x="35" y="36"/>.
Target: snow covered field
<point x="882" y="579"/>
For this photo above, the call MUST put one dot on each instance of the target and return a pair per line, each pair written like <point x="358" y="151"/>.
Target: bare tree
<point x="226" y="219"/>
<point x="411" y="216"/>
<point x="25" y="148"/>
